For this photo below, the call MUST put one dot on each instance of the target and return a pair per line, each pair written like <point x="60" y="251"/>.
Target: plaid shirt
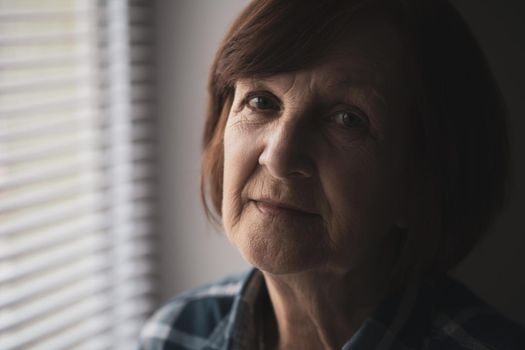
<point x="442" y="316"/>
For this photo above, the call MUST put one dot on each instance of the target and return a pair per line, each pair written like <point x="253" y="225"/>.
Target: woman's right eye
<point x="262" y="103"/>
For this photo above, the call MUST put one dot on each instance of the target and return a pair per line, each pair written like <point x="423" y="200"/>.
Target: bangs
<point x="280" y="37"/>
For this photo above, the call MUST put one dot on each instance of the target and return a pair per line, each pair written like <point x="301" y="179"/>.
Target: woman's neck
<point x="317" y="313"/>
<point x="321" y="308"/>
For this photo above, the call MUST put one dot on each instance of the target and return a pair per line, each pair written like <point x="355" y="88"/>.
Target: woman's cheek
<point x="240" y="160"/>
<point x="349" y="181"/>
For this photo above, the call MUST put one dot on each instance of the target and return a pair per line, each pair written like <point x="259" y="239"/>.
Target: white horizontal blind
<point x="76" y="170"/>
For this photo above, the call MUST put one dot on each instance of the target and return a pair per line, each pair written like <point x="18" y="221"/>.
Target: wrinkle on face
<point x="355" y="174"/>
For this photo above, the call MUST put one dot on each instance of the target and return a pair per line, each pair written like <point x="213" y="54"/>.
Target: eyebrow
<point x="351" y="84"/>
<point x="346" y="84"/>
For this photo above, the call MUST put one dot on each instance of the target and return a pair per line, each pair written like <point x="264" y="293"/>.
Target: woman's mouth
<point x="277" y="208"/>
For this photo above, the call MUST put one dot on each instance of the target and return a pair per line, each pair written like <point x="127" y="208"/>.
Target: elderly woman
<point x="355" y="152"/>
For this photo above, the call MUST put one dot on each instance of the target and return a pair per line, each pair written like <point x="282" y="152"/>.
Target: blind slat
<point x="50" y="169"/>
<point x="103" y="341"/>
<point x="47" y="106"/>
<point x="58" y="212"/>
<point x="39" y="84"/>
<point x="88" y="332"/>
<point x="29" y="126"/>
<point x="67" y="127"/>
<point x="84" y="140"/>
<point x="42" y="38"/>
<point x="85" y="162"/>
<point x="133" y="297"/>
<point x="40" y="239"/>
<point x="72" y="185"/>
<point x="46" y="61"/>
<point x="21" y="291"/>
<point x="57" y="322"/>
<point x="36" y="13"/>
<point x="53" y="302"/>
<point x="51" y="258"/>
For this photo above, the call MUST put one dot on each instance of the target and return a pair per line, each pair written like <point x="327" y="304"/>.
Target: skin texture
<point x="315" y="185"/>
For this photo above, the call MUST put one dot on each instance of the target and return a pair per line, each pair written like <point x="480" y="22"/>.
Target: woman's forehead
<point x="370" y="56"/>
<point x="337" y="71"/>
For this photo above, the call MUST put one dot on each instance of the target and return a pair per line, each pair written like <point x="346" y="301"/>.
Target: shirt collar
<point x="399" y="322"/>
<point x="239" y="330"/>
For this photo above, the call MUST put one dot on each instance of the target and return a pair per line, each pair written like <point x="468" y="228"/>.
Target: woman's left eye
<point x="262" y="103"/>
<point x="350" y="119"/>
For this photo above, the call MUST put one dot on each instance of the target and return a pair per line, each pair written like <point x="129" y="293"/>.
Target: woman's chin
<point x="278" y="243"/>
<point x="278" y="257"/>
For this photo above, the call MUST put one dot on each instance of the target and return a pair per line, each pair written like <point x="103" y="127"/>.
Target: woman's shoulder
<point x="190" y="318"/>
<point x="462" y="320"/>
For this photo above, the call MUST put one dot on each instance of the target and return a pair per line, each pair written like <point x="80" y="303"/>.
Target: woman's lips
<point x="274" y="208"/>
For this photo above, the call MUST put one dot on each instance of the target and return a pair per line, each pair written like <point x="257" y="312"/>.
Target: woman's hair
<point x="459" y="147"/>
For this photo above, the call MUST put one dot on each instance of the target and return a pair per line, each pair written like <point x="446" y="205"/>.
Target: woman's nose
<point x="286" y="152"/>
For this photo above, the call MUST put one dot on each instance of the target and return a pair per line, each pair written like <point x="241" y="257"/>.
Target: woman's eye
<point x="350" y="120"/>
<point x="262" y="103"/>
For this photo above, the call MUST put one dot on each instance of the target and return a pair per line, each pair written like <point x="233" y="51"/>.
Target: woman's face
<point x="314" y="160"/>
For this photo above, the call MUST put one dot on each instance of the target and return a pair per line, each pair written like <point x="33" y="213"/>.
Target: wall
<point x="191" y="252"/>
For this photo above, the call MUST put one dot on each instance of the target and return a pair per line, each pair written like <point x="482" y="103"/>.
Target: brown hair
<point x="460" y="147"/>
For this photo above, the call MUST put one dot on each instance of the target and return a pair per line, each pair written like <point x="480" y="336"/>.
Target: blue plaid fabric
<point x="440" y="316"/>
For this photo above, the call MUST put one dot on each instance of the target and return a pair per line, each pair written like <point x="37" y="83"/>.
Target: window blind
<point x="76" y="173"/>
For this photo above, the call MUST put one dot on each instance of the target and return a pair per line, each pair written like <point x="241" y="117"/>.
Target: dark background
<point x="496" y="269"/>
